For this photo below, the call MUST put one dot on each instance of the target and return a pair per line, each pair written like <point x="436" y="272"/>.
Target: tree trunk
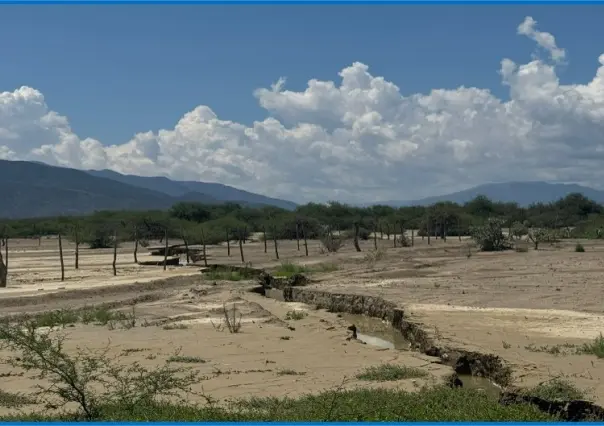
<point x="305" y="242"/>
<point x="115" y="252"/>
<point x="356" y="237"/>
<point x="275" y="241"/>
<point x="241" y="248"/>
<point x="77" y="248"/>
<point x="166" y="248"/>
<point x="445" y="232"/>
<point x="3" y="272"/>
<point x="203" y="244"/>
<point x="61" y="257"/>
<point x="428" y="230"/>
<point x="135" y="246"/>
<point x="264" y="238"/>
<point x="402" y="233"/>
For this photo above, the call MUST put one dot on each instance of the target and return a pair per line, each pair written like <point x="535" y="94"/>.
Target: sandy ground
<point x="270" y="356"/>
<point x="517" y="305"/>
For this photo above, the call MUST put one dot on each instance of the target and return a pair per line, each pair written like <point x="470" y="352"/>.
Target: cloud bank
<point x="356" y="139"/>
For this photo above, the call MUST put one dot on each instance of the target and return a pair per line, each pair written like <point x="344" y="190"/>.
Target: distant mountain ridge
<point x="173" y="188"/>
<point x="523" y="193"/>
<point x="33" y="189"/>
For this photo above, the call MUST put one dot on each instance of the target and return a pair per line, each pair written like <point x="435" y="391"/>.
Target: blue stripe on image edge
<point x="330" y="2"/>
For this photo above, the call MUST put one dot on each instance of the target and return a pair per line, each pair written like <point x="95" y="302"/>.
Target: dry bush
<point x="231" y="319"/>
<point x="374" y="256"/>
<point x="403" y="241"/>
<point x="331" y="244"/>
<point x="89" y="380"/>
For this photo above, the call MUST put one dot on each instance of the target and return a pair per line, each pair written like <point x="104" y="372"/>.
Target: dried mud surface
<point x="515" y="305"/>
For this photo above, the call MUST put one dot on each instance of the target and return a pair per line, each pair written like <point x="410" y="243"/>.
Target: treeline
<point x="580" y="216"/>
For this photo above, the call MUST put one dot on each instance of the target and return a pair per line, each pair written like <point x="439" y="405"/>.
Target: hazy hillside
<point x="32" y="189"/>
<point x="179" y="188"/>
<point x="523" y="193"/>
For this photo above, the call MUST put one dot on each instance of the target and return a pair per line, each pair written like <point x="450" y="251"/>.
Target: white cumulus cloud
<point x="356" y="139"/>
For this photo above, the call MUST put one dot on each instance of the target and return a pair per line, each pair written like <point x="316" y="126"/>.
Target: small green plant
<point x="506" y="345"/>
<point x="129" y="351"/>
<point x="179" y="326"/>
<point x="390" y="372"/>
<point x="579" y="248"/>
<point x="223" y="275"/>
<point x="287" y="269"/>
<point x="595" y="347"/>
<point x="13" y="400"/>
<point x="556" y="389"/>
<point x="289" y="372"/>
<point x="186" y="359"/>
<point x="295" y="315"/>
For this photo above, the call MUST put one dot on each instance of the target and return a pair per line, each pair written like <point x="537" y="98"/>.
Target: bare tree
<point x="305" y="241"/>
<point x="76" y="235"/>
<point x="356" y="237"/>
<point x="6" y="252"/>
<point x="264" y="238"/>
<point x="135" y="244"/>
<point x="115" y="252"/>
<point x="203" y="244"/>
<point x="274" y="231"/>
<point x="184" y="238"/>
<point x="166" y="247"/>
<point x="61" y="257"/>
<point x="241" y="245"/>
<point x="3" y="270"/>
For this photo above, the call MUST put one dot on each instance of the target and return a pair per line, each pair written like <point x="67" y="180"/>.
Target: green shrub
<point x="489" y="237"/>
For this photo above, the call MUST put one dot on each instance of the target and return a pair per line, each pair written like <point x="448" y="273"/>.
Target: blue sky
<point x="118" y="70"/>
<point x="173" y="91"/>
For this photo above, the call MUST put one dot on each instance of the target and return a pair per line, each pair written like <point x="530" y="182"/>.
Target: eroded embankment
<point x="462" y="361"/>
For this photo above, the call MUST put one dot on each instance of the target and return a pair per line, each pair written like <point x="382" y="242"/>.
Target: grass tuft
<point x="295" y="315"/>
<point x="186" y="359"/>
<point x="556" y="389"/>
<point x="390" y="372"/>
<point x="595" y="347"/>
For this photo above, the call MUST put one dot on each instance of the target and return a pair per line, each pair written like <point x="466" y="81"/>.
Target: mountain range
<point x="32" y="189"/>
<point x="523" y="193"/>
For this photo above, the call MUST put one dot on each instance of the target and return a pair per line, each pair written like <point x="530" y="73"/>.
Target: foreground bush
<point x="438" y="404"/>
